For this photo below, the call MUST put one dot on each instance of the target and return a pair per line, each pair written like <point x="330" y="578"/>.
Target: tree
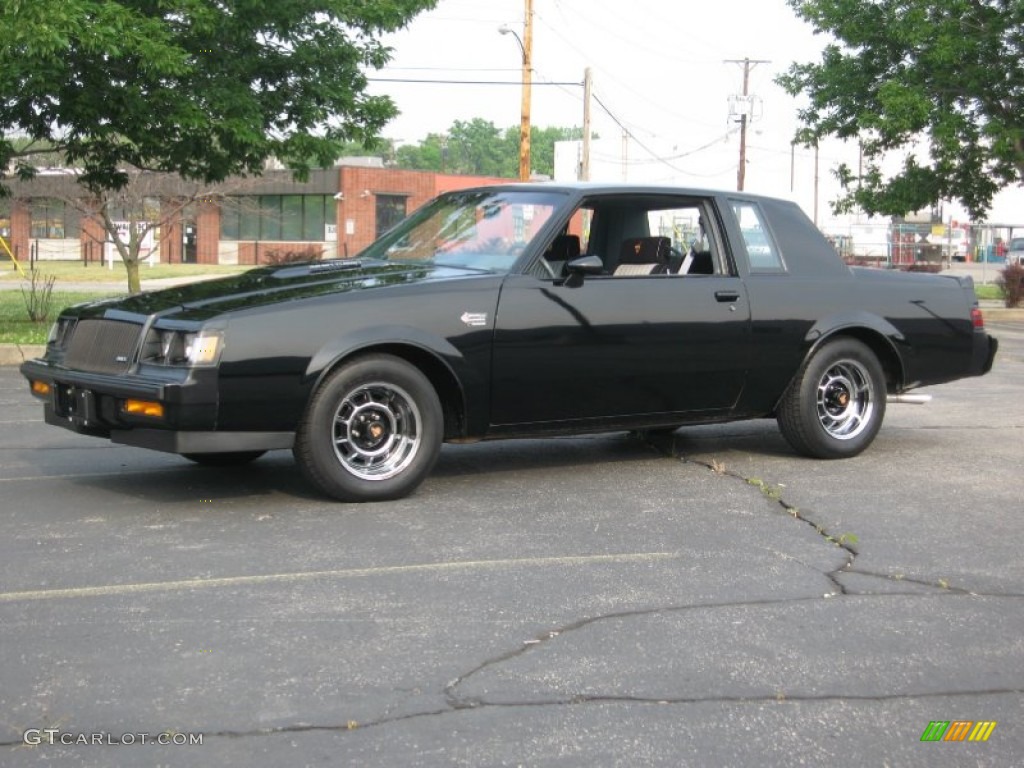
<point x="943" y="79"/>
<point x="129" y="217"/>
<point x="195" y="88"/>
<point x="478" y="147"/>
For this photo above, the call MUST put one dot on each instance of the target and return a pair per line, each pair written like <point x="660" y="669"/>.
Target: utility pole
<point x="524" y="128"/>
<point x="526" y="46"/>
<point x="588" y="89"/>
<point x="748" y="64"/>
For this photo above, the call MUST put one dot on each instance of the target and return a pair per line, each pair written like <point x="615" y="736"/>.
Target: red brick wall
<point x="93" y="236"/>
<point x="171" y="235"/>
<point x="207" y="232"/>
<point x="357" y="211"/>
<point x="21" y="226"/>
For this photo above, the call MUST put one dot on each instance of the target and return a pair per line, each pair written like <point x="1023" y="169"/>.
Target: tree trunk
<point x="134" y="283"/>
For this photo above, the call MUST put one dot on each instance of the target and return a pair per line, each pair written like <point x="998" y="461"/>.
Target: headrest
<point x="645" y="250"/>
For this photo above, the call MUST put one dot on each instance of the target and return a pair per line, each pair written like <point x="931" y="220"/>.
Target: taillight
<point x="976" y="318"/>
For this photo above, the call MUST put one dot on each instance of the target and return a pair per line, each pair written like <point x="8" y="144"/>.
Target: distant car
<point x="1015" y="253"/>
<point x="513" y="311"/>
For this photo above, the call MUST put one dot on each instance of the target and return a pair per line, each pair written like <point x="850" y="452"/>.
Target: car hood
<point x="272" y="285"/>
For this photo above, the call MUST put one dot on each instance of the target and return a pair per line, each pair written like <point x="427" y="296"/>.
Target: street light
<point x="524" y="126"/>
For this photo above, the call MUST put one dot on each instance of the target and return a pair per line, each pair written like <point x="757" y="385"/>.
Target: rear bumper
<point x="985" y="354"/>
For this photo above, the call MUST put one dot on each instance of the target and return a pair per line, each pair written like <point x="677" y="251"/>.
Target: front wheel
<point x="371" y="432"/>
<point x="835" y="406"/>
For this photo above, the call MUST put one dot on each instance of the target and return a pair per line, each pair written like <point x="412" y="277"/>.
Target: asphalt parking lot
<point x="708" y="599"/>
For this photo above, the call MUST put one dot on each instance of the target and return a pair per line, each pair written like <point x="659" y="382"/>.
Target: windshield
<point x="480" y="229"/>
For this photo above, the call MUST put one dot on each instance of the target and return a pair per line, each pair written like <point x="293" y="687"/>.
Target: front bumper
<point x="94" y="404"/>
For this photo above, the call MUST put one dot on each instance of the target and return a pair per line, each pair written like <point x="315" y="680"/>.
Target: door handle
<point x="727" y="296"/>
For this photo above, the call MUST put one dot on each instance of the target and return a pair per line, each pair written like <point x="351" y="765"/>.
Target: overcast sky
<point x="660" y="70"/>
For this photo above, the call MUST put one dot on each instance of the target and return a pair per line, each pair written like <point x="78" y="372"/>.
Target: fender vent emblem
<point x="474" y="319"/>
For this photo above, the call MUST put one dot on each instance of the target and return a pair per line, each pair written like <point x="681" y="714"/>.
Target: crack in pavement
<point x="455" y="702"/>
<point x="666" y="446"/>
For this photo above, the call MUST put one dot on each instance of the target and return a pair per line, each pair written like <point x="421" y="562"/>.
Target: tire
<point x="835" y="406"/>
<point x="372" y="431"/>
<point x="235" y="459"/>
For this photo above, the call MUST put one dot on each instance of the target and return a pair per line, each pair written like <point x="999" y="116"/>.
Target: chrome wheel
<point x="372" y="430"/>
<point x="377" y="431"/>
<point x="834" y="407"/>
<point x="845" y="399"/>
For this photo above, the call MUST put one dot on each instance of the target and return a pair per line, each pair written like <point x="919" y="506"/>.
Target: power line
<point x="439" y="81"/>
<point x="630" y="134"/>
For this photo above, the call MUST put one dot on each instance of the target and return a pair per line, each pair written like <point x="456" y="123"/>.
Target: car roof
<point x="597" y="187"/>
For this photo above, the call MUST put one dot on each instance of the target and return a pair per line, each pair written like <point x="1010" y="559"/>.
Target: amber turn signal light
<point x="40" y="389"/>
<point x="143" y="408"/>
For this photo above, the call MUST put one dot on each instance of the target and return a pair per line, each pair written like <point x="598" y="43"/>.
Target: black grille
<point x="102" y="346"/>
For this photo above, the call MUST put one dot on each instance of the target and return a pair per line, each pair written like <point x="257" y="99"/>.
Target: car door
<point x="618" y="347"/>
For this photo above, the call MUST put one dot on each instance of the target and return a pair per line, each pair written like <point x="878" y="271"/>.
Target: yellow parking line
<point x="112" y="590"/>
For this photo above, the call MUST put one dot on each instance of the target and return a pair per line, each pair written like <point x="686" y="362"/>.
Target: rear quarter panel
<point x="922" y="320"/>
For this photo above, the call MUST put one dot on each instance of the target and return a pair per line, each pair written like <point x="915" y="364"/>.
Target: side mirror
<point x="583" y="265"/>
<point x="586" y="265"/>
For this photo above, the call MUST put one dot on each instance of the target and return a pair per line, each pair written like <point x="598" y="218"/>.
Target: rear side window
<point x="762" y="253"/>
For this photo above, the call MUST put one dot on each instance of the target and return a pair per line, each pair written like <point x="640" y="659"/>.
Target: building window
<point x="53" y="219"/>
<point x="390" y="211"/>
<point x="277" y="217"/>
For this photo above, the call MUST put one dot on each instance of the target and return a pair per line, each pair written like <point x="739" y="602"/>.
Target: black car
<point x="511" y="311"/>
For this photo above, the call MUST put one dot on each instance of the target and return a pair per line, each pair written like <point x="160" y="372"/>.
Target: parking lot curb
<point x="16" y="354"/>
<point x="1002" y="314"/>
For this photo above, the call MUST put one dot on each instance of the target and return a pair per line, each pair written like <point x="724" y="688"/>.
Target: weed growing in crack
<point x="773" y="492"/>
<point x="843" y="540"/>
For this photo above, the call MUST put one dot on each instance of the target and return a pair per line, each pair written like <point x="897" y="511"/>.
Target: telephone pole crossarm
<point x="747" y="64"/>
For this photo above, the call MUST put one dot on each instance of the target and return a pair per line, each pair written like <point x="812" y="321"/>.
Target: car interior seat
<point x="643" y="256"/>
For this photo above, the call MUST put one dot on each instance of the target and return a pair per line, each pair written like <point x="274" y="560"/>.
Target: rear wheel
<point x="835" y="407"/>
<point x="372" y="431"/>
<point x="235" y="459"/>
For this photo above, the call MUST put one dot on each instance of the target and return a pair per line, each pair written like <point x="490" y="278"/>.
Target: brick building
<point x="336" y="212"/>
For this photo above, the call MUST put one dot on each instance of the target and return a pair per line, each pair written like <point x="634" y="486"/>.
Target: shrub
<point x="1011" y="283"/>
<point x="922" y="266"/>
<point x="39" y="296"/>
<point x="275" y="257"/>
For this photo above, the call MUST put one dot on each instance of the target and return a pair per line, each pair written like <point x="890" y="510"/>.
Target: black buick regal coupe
<point x="511" y="311"/>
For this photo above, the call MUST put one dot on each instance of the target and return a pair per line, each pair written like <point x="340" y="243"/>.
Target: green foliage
<point x="1011" y="284"/>
<point x="15" y="325"/>
<point x="941" y="76"/>
<point x="38" y="296"/>
<point x="200" y="89"/>
<point x="479" y="148"/>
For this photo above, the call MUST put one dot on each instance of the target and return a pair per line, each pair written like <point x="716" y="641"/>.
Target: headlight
<point x="203" y="348"/>
<point x="187" y="348"/>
